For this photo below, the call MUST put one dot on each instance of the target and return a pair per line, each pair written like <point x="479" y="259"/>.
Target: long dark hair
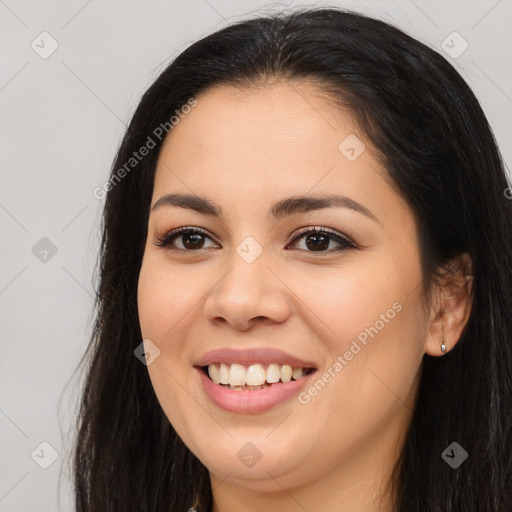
<point x="430" y="132"/>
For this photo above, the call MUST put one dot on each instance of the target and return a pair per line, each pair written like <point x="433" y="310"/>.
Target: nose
<point x="248" y="294"/>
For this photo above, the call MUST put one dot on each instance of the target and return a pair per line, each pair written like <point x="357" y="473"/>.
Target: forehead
<point x="269" y="142"/>
<point x="294" y="111"/>
<point x="252" y="131"/>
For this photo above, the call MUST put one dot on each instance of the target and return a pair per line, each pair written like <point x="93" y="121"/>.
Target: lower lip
<point x="250" y="401"/>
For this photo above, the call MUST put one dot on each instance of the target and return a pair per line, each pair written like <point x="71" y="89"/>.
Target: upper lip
<point x="248" y="356"/>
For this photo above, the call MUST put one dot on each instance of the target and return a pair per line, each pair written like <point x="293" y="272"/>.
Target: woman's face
<point x="250" y="291"/>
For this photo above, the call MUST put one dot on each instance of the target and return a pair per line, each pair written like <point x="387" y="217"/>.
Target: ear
<point x="451" y="306"/>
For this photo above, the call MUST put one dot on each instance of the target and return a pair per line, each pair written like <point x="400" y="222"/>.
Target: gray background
<point x="61" y="120"/>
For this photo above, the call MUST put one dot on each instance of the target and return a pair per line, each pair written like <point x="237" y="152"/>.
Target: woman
<point x="305" y="277"/>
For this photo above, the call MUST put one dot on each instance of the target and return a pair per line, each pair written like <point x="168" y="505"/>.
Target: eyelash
<point x="166" y="240"/>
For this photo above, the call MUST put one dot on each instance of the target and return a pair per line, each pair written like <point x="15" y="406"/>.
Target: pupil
<point x="195" y="237"/>
<point x="324" y="241"/>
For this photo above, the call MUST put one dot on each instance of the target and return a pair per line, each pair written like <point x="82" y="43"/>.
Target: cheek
<point x="342" y="304"/>
<point x="167" y="305"/>
<point x="163" y="299"/>
<point x="378" y="358"/>
<point x="374" y="328"/>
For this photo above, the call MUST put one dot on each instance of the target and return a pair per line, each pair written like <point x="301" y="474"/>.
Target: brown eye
<point x="321" y="239"/>
<point x="190" y="239"/>
<point x="317" y="240"/>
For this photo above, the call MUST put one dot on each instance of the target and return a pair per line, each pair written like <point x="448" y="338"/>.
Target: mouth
<point x="255" y="376"/>
<point x="252" y="380"/>
<point x="241" y="397"/>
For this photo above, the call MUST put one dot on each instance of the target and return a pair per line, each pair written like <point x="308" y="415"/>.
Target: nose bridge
<point x="248" y="289"/>
<point x="246" y="273"/>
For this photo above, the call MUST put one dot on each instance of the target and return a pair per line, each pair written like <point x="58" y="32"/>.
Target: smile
<point x="252" y="380"/>
<point x="255" y="376"/>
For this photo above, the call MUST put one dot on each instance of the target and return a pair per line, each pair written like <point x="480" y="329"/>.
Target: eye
<point x="192" y="239"/>
<point x="319" y="239"/>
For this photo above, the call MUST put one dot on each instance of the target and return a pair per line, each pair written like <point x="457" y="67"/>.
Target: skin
<point x="245" y="150"/>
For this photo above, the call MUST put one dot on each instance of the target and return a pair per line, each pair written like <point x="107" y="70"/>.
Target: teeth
<point x="273" y="373"/>
<point x="214" y="373"/>
<point x="254" y="375"/>
<point x="297" y="373"/>
<point x="237" y="375"/>
<point x="223" y="374"/>
<point x="286" y="373"/>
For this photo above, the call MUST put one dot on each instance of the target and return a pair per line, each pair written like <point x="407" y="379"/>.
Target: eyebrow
<point x="279" y="210"/>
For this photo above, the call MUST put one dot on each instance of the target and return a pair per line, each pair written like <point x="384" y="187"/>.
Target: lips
<point x="247" y="399"/>
<point x="247" y="357"/>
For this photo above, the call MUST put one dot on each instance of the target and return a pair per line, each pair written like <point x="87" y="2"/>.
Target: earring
<point x="443" y="345"/>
